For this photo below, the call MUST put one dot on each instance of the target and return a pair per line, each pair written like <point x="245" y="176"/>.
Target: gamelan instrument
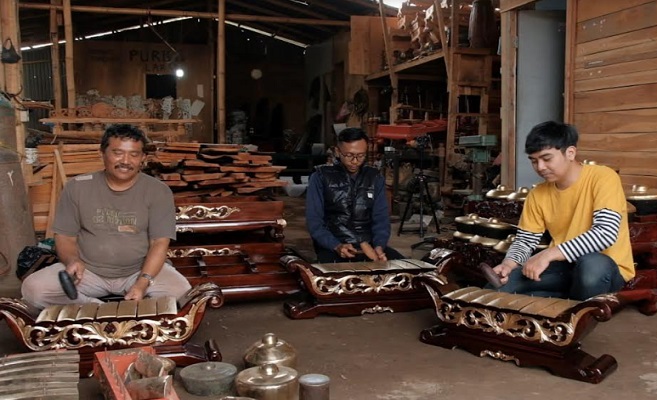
<point x="347" y="289"/>
<point x="159" y="322"/>
<point x="45" y="375"/>
<point x="528" y="330"/>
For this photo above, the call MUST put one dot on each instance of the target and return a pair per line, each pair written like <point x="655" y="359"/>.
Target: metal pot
<point x="484" y="241"/>
<point x="268" y="382"/>
<point x="644" y="199"/>
<point x="271" y="350"/>
<point x="495" y="229"/>
<point x="503" y="245"/>
<point x="499" y="193"/>
<point x="466" y="223"/>
<point x="462" y="236"/>
<point x="519" y="195"/>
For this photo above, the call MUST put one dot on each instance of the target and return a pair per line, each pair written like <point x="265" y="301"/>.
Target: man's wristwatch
<point x="149" y="277"/>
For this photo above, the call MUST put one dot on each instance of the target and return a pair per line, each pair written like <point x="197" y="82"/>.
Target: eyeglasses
<point x="352" y="157"/>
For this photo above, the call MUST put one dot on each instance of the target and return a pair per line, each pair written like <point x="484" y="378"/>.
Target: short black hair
<point x="122" y="131"/>
<point x="551" y="134"/>
<point x="351" y="135"/>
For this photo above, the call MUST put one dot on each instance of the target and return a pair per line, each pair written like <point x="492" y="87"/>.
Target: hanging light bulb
<point x="180" y="72"/>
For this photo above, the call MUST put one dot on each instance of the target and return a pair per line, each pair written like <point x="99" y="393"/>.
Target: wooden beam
<point x="221" y="71"/>
<point x="393" y="76"/>
<point x="440" y="16"/>
<point x="508" y="5"/>
<point x="54" y="55"/>
<point x="269" y="13"/>
<point x="509" y="22"/>
<point x="192" y="14"/>
<point x="70" y="70"/>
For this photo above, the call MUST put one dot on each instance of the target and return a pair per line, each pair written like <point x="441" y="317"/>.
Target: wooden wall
<point x="120" y="68"/>
<point x="613" y="84"/>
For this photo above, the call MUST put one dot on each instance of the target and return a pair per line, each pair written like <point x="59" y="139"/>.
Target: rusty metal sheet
<point x="147" y="307"/>
<point x="107" y="310"/>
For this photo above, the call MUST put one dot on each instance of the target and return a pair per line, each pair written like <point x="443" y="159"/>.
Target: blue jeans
<point x="591" y="275"/>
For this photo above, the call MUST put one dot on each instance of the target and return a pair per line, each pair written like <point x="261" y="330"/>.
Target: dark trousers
<point x="326" y="256"/>
<point x="591" y="275"/>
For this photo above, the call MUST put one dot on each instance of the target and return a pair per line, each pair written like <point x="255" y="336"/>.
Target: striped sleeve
<point x="523" y="246"/>
<point x="603" y="233"/>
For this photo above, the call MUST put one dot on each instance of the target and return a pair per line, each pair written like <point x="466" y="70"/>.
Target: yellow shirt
<point x="568" y="213"/>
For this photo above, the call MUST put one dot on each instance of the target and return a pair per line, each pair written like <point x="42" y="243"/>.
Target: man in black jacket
<point x="346" y="208"/>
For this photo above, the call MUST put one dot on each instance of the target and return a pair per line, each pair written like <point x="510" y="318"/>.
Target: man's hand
<point x="76" y="269"/>
<point x="346" y="250"/>
<point x="539" y="262"/>
<point x="380" y="253"/>
<point x="137" y="291"/>
<point x="504" y="269"/>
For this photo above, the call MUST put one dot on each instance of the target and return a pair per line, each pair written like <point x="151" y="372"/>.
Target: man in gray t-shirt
<point x="112" y="231"/>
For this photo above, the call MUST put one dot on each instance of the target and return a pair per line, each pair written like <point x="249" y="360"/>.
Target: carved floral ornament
<point x="202" y="251"/>
<point x="198" y="212"/>
<point x="107" y="333"/>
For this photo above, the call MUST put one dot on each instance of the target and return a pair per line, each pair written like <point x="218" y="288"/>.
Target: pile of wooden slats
<point x="190" y="169"/>
<point x="41" y="375"/>
<point x="56" y="164"/>
<point x="194" y="169"/>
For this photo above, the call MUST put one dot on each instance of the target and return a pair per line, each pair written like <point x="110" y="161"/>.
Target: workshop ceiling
<point x="97" y="16"/>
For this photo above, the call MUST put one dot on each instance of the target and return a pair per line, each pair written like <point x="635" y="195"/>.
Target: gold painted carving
<point x="499" y="355"/>
<point x="201" y="251"/>
<point x="199" y="212"/>
<point x="376" y="309"/>
<point x="542" y="330"/>
<point x="53" y="336"/>
<point x="362" y="284"/>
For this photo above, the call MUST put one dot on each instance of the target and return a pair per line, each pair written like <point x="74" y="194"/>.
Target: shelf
<point x="407" y="65"/>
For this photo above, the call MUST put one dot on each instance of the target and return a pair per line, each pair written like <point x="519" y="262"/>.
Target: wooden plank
<point x="618" y="158"/>
<point x="54" y="196"/>
<point x="629" y="180"/>
<point x="169" y="177"/>
<point x="358" y="46"/>
<point x="626" y="20"/>
<point x="61" y="172"/>
<point x="587" y="9"/>
<point x="630" y="121"/>
<point x="641" y="51"/>
<point x="202" y="177"/>
<point x="72" y="169"/>
<point x="228" y="168"/>
<point x="508" y="5"/>
<point x="617" y="41"/>
<point x="621" y="80"/>
<point x="569" y="70"/>
<point x="66" y="148"/>
<point x="509" y="23"/>
<point x="616" y="70"/>
<point x="626" y="142"/>
<point x="625" y="98"/>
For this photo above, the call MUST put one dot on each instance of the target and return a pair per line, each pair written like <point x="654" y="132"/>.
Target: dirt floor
<point x="379" y="357"/>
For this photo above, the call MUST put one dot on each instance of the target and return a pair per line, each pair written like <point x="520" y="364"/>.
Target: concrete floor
<point x="379" y="357"/>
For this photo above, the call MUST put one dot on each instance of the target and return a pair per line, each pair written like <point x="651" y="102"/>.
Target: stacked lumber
<point x="56" y="164"/>
<point x="193" y="169"/>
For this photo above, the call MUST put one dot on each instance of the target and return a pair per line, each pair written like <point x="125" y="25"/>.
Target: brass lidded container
<point x="465" y="226"/>
<point x="503" y="245"/>
<point x="500" y="192"/>
<point x="484" y="241"/>
<point x="643" y="198"/>
<point x="268" y="382"/>
<point x="270" y="350"/>
<point x="519" y="195"/>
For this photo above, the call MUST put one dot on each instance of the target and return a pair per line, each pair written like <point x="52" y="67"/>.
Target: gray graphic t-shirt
<point x="114" y="228"/>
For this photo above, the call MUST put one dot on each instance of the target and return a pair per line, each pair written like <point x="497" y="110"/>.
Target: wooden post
<point x="394" y="82"/>
<point x="440" y="16"/>
<point x="509" y="39"/>
<point x="54" y="55"/>
<point x="68" y="34"/>
<point x="221" y="72"/>
<point x="13" y="78"/>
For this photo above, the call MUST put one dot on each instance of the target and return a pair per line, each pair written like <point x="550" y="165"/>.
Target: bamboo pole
<point x="192" y="14"/>
<point x="54" y="55"/>
<point x="221" y="71"/>
<point x="70" y="70"/>
<point x="393" y="76"/>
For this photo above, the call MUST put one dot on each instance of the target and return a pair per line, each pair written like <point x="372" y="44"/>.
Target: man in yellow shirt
<point x="584" y="209"/>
